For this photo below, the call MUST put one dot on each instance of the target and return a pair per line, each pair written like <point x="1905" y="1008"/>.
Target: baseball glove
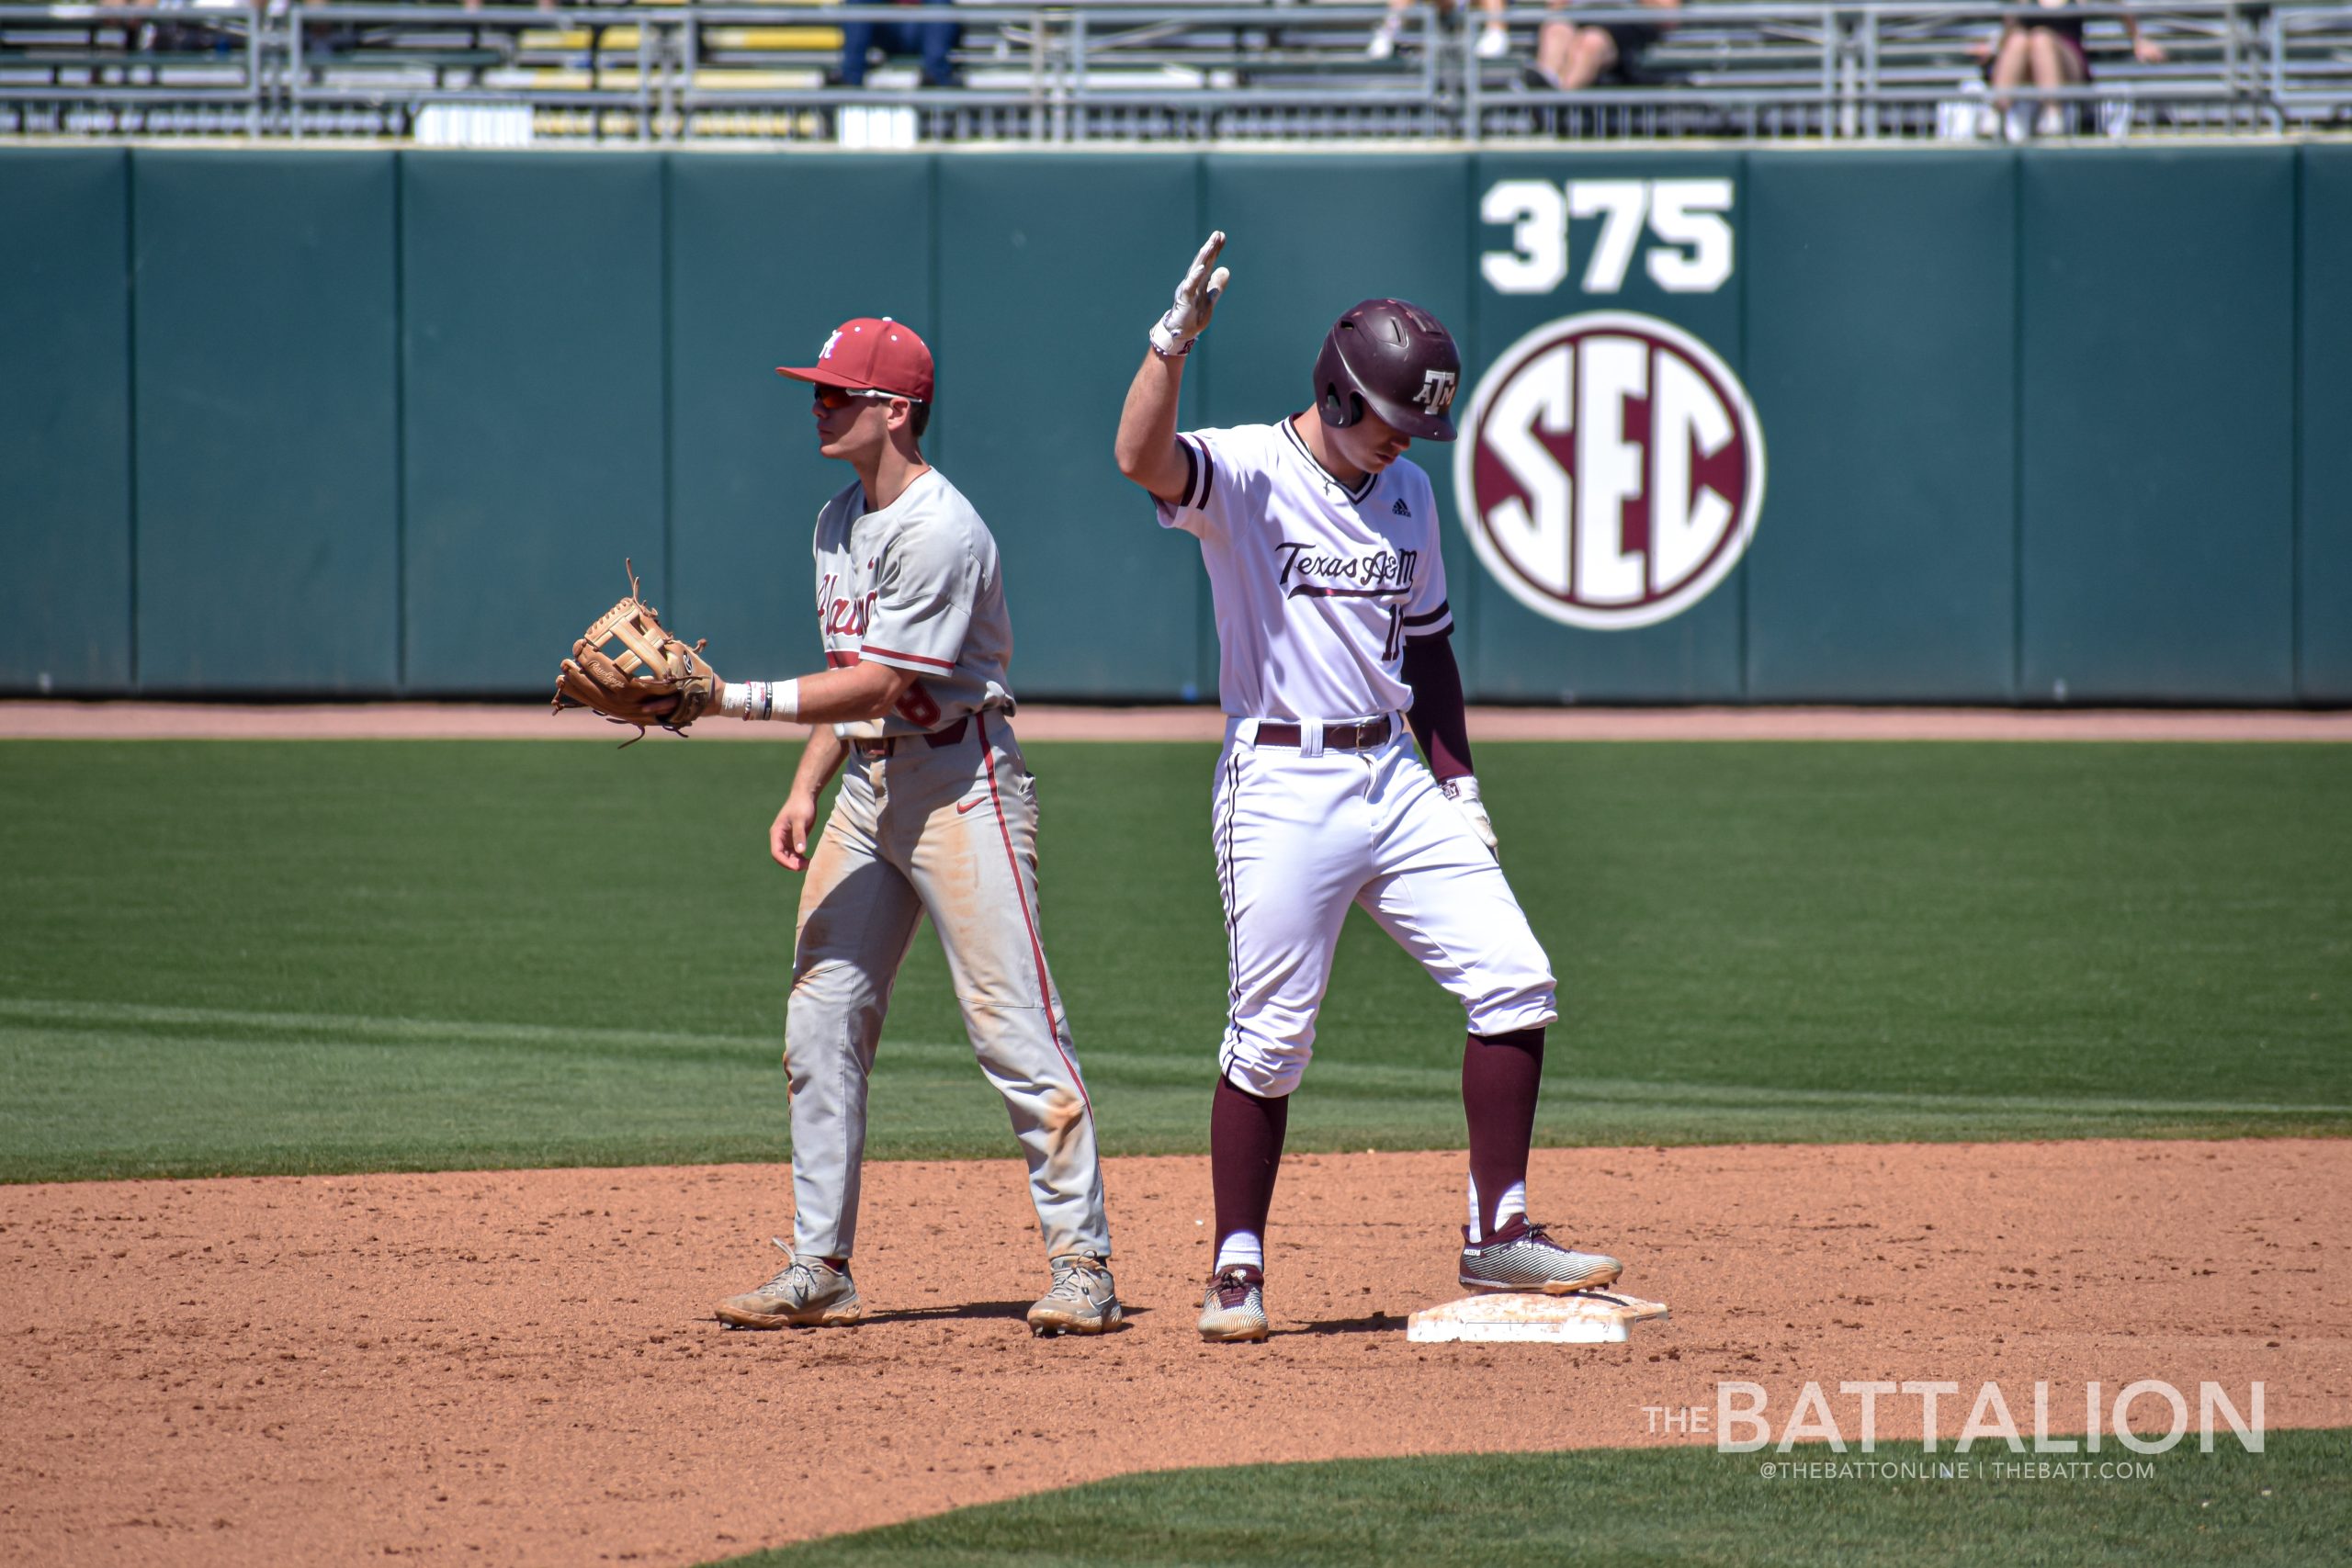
<point x="651" y="679"/>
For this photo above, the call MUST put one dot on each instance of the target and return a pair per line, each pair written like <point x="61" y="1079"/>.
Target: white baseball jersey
<point x="1318" y="585"/>
<point x="916" y="585"/>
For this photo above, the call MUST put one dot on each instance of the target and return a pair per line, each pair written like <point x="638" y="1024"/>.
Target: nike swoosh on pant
<point x="964" y="806"/>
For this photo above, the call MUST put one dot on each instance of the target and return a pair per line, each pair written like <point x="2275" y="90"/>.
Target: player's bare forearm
<point x="853" y="693"/>
<point x="1146" y="449"/>
<point x="795" y="820"/>
<point x="819" y="760"/>
<point x="848" y="695"/>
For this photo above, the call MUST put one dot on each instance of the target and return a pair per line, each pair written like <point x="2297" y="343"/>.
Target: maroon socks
<point x="1500" y="1074"/>
<point x="1245" y="1151"/>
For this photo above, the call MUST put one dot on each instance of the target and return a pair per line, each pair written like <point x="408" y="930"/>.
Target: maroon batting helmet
<point x="1395" y="359"/>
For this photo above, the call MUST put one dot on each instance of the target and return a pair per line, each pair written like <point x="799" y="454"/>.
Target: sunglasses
<point x="830" y="398"/>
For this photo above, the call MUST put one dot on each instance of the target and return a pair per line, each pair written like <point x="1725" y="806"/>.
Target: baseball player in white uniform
<point x="937" y="815"/>
<point x="1321" y="542"/>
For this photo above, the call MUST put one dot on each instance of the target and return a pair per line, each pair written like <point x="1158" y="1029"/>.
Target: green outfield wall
<point x="2051" y="425"/>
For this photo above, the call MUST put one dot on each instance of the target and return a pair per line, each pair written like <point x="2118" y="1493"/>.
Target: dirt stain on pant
<point x="1071" y="1164"/>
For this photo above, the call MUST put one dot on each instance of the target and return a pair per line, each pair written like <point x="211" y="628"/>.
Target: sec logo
<point x="1610" y="470"/>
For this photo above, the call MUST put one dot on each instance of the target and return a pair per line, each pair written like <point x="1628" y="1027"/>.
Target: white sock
<point x="1513" y="1201"/>
<point x="1242" y="1248"/>
<point x="1513" y="1204"/>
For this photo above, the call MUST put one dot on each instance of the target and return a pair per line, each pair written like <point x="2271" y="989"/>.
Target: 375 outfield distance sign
<point x="1610" y="470"/>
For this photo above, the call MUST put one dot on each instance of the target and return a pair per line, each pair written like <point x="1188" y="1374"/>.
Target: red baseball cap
<point x="874" y="353"/>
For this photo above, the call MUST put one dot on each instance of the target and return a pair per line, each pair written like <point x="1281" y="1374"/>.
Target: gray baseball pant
<point x="949" y="830"/>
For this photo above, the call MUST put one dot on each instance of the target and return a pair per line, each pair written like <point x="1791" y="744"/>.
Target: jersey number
<point x="915" y="705"/>
<point x="1394" y="646"/>
<point x="918" y="706"/>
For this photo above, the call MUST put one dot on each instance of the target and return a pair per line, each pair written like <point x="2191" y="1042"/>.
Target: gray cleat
<point x="806" y="1294"/>
<point x="1234" y="1308"/>
<point x="1082" y="1299"/>
<point x="1522" y="1256"/>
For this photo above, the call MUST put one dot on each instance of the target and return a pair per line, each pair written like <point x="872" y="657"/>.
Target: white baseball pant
<point x="1302" y="832"/>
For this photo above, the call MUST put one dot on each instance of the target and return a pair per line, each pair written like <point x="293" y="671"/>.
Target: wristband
<point x="749" y="700"/>
<point x="1170" y="344"/>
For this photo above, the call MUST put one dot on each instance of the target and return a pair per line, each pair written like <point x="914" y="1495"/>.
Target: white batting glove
<point x="1464" y="793"/>
<point x="1196" y="299"/>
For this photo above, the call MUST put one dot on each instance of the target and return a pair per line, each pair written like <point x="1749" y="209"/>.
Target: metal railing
<point x="450" y="62"/>
<point x="1096" y="72"/>
<point x="1126" y="71"/>
<point x="1896" y="72"/>
<point x="191" y="70"/>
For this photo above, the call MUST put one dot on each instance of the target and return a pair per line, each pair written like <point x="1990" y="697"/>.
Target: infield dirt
<point x="522" y="1367"/>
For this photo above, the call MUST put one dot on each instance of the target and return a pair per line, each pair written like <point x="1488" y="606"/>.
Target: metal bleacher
<point x="1128" y="71"/>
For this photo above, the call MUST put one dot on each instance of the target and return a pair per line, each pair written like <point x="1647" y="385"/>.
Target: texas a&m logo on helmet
<point x="1610" y="470"/>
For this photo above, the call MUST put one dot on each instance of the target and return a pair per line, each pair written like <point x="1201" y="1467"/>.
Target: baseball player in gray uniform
<point x="937" y="815"/>
<point x="1321" y="542"/>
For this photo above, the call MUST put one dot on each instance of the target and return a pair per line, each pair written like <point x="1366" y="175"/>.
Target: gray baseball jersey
<point x="936" y="815"/>
<point x="916" y="585"/>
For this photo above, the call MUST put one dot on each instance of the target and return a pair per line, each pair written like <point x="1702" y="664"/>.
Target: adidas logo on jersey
<point x="1400" y="509"/>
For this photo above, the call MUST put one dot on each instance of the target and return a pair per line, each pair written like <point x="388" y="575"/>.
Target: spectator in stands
<point x="330" y="38"/>
<point x="341" y="37"/>
<point x="1571" y="55"/>
<point x="187" y="35"/>
<point x="936" y="41"/>
<point x="1493" y="43"/>
<point x="2050" y="52"/>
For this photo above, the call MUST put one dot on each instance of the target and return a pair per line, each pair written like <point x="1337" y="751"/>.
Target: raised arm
<point x="1146" y="449"/>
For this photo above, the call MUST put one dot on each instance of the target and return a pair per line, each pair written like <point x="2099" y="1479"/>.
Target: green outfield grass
<point x="1618" y="1508"/>
<point x="221" y="956"/>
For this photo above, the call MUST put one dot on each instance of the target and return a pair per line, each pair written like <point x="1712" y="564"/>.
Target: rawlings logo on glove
<point x="654" y="680"/>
